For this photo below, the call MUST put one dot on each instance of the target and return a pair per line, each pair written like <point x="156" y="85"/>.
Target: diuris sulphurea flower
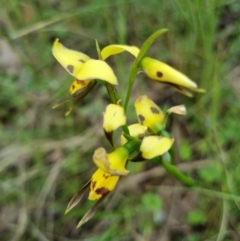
<point x="84" y="68"/>
<point x="148" y="140"/>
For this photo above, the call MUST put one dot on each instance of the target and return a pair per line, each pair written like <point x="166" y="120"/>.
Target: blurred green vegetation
<point x="45" y="157"/>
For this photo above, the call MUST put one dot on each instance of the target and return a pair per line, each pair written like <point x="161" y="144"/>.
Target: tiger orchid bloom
<point x="151" y="116"/>
<point x="86" y="69"/>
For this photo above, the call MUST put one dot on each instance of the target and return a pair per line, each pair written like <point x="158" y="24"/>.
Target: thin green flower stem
<point x="173" y="170"/>
<point x="136" y="65"/>
<point x="132" y="77"/>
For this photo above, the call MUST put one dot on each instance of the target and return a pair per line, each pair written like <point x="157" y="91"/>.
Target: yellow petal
<point x="71" y="60"/>
<point x="101" y="184"/>
<point x="117" y="49"/>
<point x="153" y="146"/>
<point x="113" y="163"/>
<point x="97" y="69"/>
<point x="113" y="118"/>
<point x="160" y="71"/>
<point x="78" y="85"/>
<point x="149" y="114"/>
<point x="135" y="130"/>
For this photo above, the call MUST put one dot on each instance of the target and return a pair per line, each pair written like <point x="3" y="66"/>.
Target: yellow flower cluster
<point x="147" y="139"/>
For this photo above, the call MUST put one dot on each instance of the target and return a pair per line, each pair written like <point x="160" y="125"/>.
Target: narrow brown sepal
<point x="91" y="212"/>
<point x="77" y="197"/>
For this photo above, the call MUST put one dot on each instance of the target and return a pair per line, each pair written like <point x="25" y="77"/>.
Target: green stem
<point x="173" y="170"/>
<point x="132" y="77"/>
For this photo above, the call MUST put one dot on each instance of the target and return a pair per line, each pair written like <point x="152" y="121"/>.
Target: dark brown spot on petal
<point x="81" y="60"/>
<point x="141" y="118"/>
<point x="159" y="74"/>
<point x="93" y="184"/>
<point x="102" y="191"/>
<point x="81" y="82"/>
<point x="70" y="68"/>
<point x="154" y="110"/>
<point x="105" y="176"/>
<point x="73" y="87"/>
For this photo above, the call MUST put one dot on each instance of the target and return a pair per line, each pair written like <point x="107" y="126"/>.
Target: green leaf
<point x="152" y="202"/>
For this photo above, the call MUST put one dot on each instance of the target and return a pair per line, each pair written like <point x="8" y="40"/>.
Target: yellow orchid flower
<point x="81" y="66"/>
<point x="135" y="130"/>
<point x="113" y="117"/>
<point x="100" y="185"/>
<point x="149" y="114"/>
<point x="153" y="146"/>
<point x="162" y="72"/>
<point x="113" y="163"/>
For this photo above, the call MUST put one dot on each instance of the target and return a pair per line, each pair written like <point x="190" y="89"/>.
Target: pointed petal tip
<point x="67" y="210"/>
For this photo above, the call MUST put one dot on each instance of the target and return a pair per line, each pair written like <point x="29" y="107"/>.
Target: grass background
<point x="46" y="157"/>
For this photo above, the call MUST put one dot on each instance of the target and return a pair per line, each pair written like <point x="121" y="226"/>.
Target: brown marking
<point x="102" y="191"/>
<point x="70" y="68"/>
<point x="141" y="118"/>
<point x="93" y="184"/>
<point x="154" y="110"/>
<point x="73" y="87"/>
<point x="80" y="82"/>
<point x="81" y="60"/>
<point x="105" y="176"/>
<point x="159" y="74"/>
